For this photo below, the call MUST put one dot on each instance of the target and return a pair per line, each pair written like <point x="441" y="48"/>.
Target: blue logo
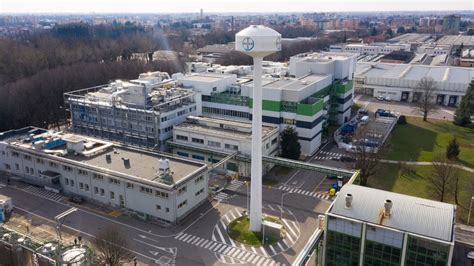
<point x="248" y="43"/>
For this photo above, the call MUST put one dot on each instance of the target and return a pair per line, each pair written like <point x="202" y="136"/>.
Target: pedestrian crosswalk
<point x="220" y="196"/>
<point x="304" y="192"/>
<point x="327" y="155"/>
<point x="235" y="185"/>
<point x="226" y="253"/>
<point x="41" y="192"/>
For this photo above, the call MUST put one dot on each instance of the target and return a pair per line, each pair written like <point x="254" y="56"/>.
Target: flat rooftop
<point x="293" y="84"/>
<point x="204" y="77"/>
<point x="410" y="37"/>
<point x="410" y="214"/>
<point x="451" y="74"/>
<point x="143" y="164"/>
<point x="457" y="40"/>
<point x="222" y="127"/>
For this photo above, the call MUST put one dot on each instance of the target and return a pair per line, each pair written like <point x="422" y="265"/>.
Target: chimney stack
<point x="387" y="208"/>
<point x="349" y="201"/>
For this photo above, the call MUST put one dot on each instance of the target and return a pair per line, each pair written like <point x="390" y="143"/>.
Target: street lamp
<point x="281" y="204"/>
<point x="470" y="207"/>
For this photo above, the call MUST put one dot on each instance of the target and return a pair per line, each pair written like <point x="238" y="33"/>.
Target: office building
<point x="467" y="58"/>
<point x="366" y="226"/>
<point x="320" y="92"/>
<point x="212" y="139"/>
<point x="154" y="186"/>
<point x="399" y="81"/>
<point x="451" y="24"/>
<point x="140" y="112"/>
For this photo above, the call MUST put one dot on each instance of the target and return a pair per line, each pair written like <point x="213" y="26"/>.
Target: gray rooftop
<point x="411" y="214"/>
<point x="142" y="164"/>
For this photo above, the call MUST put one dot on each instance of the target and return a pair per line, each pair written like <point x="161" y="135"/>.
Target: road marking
<point x="273" y="250"/>
<point x="220" y="234"/>
<point x="191" y="239"/>
<point x="289" y="227"/>
<point x="280" y="246"/>
<point x="288" y="181"/>
<point x="270" y="207"/>
<point x="264" y="252"/>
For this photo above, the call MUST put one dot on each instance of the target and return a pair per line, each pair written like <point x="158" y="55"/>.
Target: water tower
<point x="257" y="41"/>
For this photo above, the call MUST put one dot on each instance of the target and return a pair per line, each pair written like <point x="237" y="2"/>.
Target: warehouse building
<point x="366" y="226"/>
<point x="399" y="81"/>
<point x="140" y="112"/>
<point x="212" y="139"/>
<point x="154" y="186"/>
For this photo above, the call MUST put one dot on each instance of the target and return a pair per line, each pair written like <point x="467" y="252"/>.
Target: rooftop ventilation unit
<point x="126" y="162"/>
<point x="108" y="158"/>
<point x="349" y="201"/>
<point x="387" y="208"/>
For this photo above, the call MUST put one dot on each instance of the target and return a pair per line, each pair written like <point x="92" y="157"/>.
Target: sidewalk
<point x="462" y="167"/>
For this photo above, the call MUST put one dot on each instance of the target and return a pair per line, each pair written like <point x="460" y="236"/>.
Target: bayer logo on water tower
<point x="248" y="44"/>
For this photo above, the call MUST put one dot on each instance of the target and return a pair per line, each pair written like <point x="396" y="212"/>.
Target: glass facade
<point x="424" y="252"/>
<point x="343" y="242"/>
<point x="382" y="246"/>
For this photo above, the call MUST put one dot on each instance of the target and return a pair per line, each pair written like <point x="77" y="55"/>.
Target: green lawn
<point x="389" y="178"/>
<point x="239" y="231"/>
<point x="423" y="141"/>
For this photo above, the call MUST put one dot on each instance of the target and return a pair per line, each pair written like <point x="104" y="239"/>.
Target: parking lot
<point x="404" y="108"/>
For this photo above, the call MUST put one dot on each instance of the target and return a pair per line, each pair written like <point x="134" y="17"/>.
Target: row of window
<point x="225" y="112"/>
<point x="210" y="143"/>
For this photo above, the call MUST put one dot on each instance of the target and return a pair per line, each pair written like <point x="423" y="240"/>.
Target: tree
<point x="374" y="32"/>
<point x="425" y="92"/>
<point x="111" y="246"/>
<point x="290" y="146"/>
<point x="441" y="178"/>
<point x="389" y="32"/>
<point x="462" y="116"/>
<point x="452" y="151"/>
<point x="401" y="30"/>
<point x="367" y="154"/>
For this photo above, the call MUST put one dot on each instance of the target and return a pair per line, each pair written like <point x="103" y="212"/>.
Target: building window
<point x="161" y="194"/>
<point x="274" y="141"/>
<point x="199" y="192"/>
<point x="102" y="192"/>
<point x="196" y="140"/>
<point x="53" y="164"/>
<point x="214" y="143"/>
<point x="27" y="157"/>
<point x="87" y="187"/>
<point x="167" y="209"/>
<point x="182" y="204"/>
<point x="182" y="190"/>
<point x="27" y="169"/>
<point x="39" y="160"/>
<point x="17" y="166"/>
<point x="15" y="154"/>
<point x="67" y="168"/>
<point x="231" y="147"/>
<point x="82" y="172"/>
<point x="199" y="179"/>
<point x="146" y="190"/>
<point x="96" y="190"/>
<point x="158" y="207"/>
<point x="129" y="185"/>
<point x="81" y="185"/>
<point x="114" y="181"/>
<point x="289" y="121"/>
<point x="97" y="176"/>
<point x="198" y="157"/>
<point x="66" y="181"/>
<point x="112" y="195"/>
<point x="181" y="137"/>
<point x="183" y="154"/>
<point x="7" y="166"/>
<point x="71" y="183"/>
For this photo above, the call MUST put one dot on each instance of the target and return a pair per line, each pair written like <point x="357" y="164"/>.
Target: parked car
<point x="332" y="176"/>
<point x="380" y="98"/>
<point x="388" y="99"/>
<point x="363" y="111"/>
<point x="76" y="199"/>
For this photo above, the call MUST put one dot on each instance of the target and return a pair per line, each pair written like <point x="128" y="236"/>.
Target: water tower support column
<point x="256" y="164"/>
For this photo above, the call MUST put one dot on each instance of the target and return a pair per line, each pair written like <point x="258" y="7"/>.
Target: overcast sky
<point x="176" y="6"/>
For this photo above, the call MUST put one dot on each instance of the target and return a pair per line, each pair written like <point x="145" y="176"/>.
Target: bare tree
<point x="424" y="91"/>
<point x="111" y="247"/>
<point x="368" y="153"/>
<point x="442" y="178"/>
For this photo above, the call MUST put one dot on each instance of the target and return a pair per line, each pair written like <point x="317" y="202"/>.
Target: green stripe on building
<point x="343" y="88"/>
<point x="267" y="105"/>
<point x="310" y="109"/>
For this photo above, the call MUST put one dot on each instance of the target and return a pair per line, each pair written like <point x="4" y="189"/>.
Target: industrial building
<point x="399" y="81"/>
<point x="212" y="139"/>
<point x="140" y="112"/>
<point x="369" y="49"/>
<point x="154" y="186"/>
<point x="320" y="91"/>
<point x="366" y="226"/>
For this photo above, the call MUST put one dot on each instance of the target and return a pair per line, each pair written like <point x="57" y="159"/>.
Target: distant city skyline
<point x="186" y="6"/>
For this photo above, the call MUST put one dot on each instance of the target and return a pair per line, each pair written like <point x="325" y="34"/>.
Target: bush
<point x="402" y="120"/>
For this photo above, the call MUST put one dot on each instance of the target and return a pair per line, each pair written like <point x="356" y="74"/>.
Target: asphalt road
<point x="201" y="239"/>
